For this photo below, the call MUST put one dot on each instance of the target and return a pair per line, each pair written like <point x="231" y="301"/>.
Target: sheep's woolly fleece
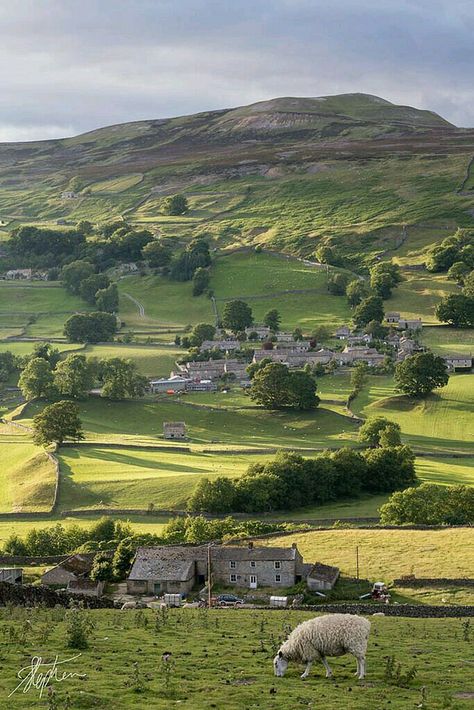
<point x="330" y="635"/>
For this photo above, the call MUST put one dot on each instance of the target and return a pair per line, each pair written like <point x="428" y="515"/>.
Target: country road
<point x="140" y="306"/>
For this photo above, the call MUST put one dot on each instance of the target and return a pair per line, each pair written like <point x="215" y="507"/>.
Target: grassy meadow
<point x="27" y="477"/>
<point x="223" y="659"/>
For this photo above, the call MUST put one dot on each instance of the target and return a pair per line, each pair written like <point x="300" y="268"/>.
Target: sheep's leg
<point x="327" y="666"/>
<point x="360" y="667"/>
<point x="357" y="673"/>
<point x="307" y="670"/>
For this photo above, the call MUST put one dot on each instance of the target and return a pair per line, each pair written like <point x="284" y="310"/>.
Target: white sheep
<point x="330" y="635"/>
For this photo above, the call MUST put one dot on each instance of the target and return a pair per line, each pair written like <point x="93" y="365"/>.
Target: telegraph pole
<point x="209" y="576"/>
<point x="357" y="561"/>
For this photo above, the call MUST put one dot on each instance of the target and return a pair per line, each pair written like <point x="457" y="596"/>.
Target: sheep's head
<point x="280" y="664"/>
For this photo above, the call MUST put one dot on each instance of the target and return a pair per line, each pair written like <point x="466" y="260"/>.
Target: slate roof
<point x="325" y="573"/>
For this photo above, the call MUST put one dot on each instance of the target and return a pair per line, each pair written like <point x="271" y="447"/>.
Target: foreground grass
<point x="27" y="477"/>
<point x="389" y="554"/>
<point x="223" y="660"/>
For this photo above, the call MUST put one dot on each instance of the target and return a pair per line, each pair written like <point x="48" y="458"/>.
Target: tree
<point x="389" y="469"/>
<point x="200" y="333"/>
<point x="376" y="330"/>
<point x="390" y="436"/>
<point x="217" y="496"/>
<point x="302" y="391"/>
<point x="420" y="374"/>
<point x="36" y="380"/>
<point x="46" y="352"/>
<point x="328" y="255"/>
<point x="371" y="430"/>
<point x="157" y="254"/>
<point x="122" y="559"/>
<point x="350" y="472"/>
<point x="384" y="276"/>
<point x="430" y="504"/>
<point x="89" y="287"/>
<point x="201" y="280"/>
<point x="275" y="387"/>
<point x="107" y="299"/>
<point x="441" y="258"/>
<point x="175" y="205"/>
<point x="85" y="227"/>
<point x="369" y="309"/>
<point x="57" y="422"/>
<point x="272" y="320"/>
<point x="101" y="570"/>
<point x="457" y="310"/>
<point x="337" y="284"/>
<point x="74" y="376"/>
<point x="74" y="273"/>
<point x="468" y="289"/>
<point x="90" y="327"/>
<point x="356" y="292"/>
<point x="195" y="255"/>
<point x="121" y="379"/>
<point x="8" y="365"/>
<point x="458" y="271"/>
<point x="359" y="376"/>
<point x="237" y="315"/>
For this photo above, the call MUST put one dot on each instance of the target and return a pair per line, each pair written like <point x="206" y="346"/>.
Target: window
<point x="232" y="565"/>
<point x="253" y="563"/>
<point x="277" y="565"/>
<point x="278" y="578"/>
<point x="233" y="578"/>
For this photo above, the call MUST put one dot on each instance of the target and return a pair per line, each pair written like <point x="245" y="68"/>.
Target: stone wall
<point x="433" y="582"/>
<point x="26" y="595"/>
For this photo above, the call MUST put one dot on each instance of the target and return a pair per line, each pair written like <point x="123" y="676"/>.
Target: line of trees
<point x="430" y="504"/>
<point x="291" y="481"/>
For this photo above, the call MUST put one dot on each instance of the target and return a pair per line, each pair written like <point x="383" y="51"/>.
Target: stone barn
<point x="174" y="430"/>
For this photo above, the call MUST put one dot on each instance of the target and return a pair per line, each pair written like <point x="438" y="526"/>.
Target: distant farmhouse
<point x="179" y="568"/>
<point x="174" y="430"/>
<point x="458" y="362"/>
<point x="403" y="323"/>
<point x="68" y="195"/>
<point x="73" y="574"/>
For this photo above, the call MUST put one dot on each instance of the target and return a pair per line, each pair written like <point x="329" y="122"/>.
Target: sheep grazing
<point x="330" y="635"/>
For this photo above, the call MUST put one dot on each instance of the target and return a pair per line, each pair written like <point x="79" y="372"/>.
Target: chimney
<point x="250" y="545"/>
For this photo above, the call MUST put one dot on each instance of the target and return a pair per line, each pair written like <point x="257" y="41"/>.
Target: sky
<point x="67" y="67"/>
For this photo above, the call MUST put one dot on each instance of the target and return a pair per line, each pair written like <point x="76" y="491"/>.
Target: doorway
<point x="253" y="581"/>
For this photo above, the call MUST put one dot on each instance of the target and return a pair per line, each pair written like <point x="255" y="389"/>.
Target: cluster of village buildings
<point x="203" y="375"/>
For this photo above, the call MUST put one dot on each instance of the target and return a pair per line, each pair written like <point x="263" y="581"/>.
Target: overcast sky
<point x="68" y="66"/>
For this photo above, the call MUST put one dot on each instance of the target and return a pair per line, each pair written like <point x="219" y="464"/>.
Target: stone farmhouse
<point x="403" y="323"/>
<point x="205" y="370"/>
<point x="174" y="430"/>
<point x="176" y="383"/>
<point x="19" y="274"/>
<point x="179" y="568"/>
<point x="68" y="195"/>
<point x="458" y="362"/>
<point x="350" y="355"/>
<point x="262" y="331"/>
<point x="343" y="332"/>
<point x="294" y="357"/>
<point x="223" y="345"/>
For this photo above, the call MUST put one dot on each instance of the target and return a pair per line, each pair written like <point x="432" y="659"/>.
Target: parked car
<point x="229" y="600"/>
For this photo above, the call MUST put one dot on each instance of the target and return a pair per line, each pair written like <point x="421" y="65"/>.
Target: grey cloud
<point x="67" y="67"/>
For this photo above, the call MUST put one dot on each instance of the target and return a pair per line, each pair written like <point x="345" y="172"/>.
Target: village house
<point x="343" y="332"/>
<point x="458" y="362"/>
<point x="205" y="370"/>
<point x="224" y="345"/>
<point x="284" y="337"/>
<point x="273" y="355"/>
<point x="300" y="346"/>
<point x="261" y="331"/>
<point x="392" y="317"/>
<point x="174" y="430"/>
<point x="179" y="568"/>
<point x="357" y="338"/>
<point x="19" y="274"/>
<point x="410" y="324"/>
<point x="237" y="368"/>
<point x="350" y="355"/>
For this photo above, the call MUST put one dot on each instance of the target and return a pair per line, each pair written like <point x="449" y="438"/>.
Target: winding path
<point x="140" y="306"/>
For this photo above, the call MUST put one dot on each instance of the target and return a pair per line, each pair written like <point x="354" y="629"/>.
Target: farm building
<point x="458" y="362"/>
<point x="224" y="345"/>
<point x="392" y="317"/>
<point x="351" y="355"/>
<point x="177" y="383"/>
<point x="68" y="195"/>
<point x="178" y="568"/>
<point x="410" y="324"/>
<point x="88" y="587"/>
<point x="322" y="577"/>
<point x="19" y="275"/>
<point x="284" y="337"/>
<point x="343" y="332"/>
<point x="206" y="370"/>
<point x="13" y="575"/>
<point x="261" y="331"/>
<point x="174" y="430"/>
<point x="73" y="568"/>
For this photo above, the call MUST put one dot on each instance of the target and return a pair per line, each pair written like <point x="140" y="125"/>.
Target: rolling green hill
<point x="287" y="173"/>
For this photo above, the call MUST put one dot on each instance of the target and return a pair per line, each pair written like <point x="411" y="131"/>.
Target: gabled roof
<point x="325" y="573"/>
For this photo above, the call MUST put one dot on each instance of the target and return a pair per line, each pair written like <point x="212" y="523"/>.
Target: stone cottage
<point x="174" y="430"/>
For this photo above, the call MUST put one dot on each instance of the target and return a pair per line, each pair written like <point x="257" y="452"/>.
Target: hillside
<point x="288" y="172"/>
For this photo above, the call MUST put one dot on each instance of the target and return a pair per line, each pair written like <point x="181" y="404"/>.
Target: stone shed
<point x="322" y="577"/>
<point x="174" y="430"/>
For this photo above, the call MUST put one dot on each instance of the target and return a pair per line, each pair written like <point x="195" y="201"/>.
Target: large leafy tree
<point x="275" y="387"/>
<point x="89" y="287"/>
<point x="57" y="422"/>
<point x="369" y="309"/>
<point x="457" y="310"/>
<point x="107" y="299"/>
<point x="90" y="327"/>
<point x="272" y="320"/>
<point x="356" y="291"/>
<point x="384" y="277"/>
<point x="389" y="469"/>
<point x="237" y="315"/>
<point x="158" y="254"/>
<point x="121" y="379"/>
<point x="430" y="504"/>
<point x="74" y="376"/>
<point x="36" y="380"/>
<point x="200" y="333"/>
<point x="370" y="433"/>
<point x="175" y="205"/>
<point x="74" y="273"/>
<point x="420" y="374"/>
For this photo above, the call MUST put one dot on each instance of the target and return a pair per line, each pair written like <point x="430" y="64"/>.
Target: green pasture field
<point x="95" y="476"/>
<point x="252" y="427"/>
<point x="443" y="340"/>
<point x="151" y="360"/>
<point x="419" y="294"/>
<point x="26" y="347"/>
<point x="388" y="554"/>
<point x="118" y="184"/>
<point x="223" y="659"/>
<point x="27" y="477"/>
<point x="166" y="303"/>
<point x="442" y="421"/>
